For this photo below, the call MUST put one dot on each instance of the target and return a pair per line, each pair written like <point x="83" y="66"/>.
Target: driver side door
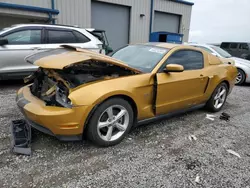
<point x="179" y="90"/>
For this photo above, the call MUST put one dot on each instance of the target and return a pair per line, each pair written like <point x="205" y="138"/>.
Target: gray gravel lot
<point x="155" y="155"/>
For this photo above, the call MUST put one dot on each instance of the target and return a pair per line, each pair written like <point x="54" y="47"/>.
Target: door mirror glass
<point x="174" y="68"/>
<point x="3" y="42"/>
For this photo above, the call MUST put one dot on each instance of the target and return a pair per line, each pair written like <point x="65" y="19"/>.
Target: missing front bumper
<point x="20" y="137"/>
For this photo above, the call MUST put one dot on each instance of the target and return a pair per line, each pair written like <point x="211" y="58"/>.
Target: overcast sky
<point x="214" y="21"/>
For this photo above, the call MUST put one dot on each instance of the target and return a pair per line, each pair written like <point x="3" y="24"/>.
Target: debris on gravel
<point x="159" y="154"/>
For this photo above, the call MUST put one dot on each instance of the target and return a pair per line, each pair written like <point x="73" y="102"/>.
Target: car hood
<point x="227" y="60"/>
<point x="68" y="56"/>
<point x="241" y="61"/>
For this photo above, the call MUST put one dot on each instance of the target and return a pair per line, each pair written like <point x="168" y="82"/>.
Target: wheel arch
<point x="227" y="83"/>
<point x="127" y="98"/>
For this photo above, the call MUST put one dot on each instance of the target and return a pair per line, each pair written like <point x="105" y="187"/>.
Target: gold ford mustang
<point x="76" y="91"/>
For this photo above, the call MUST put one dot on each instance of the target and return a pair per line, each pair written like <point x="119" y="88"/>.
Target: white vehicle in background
<point x="242" y="65"/>
<point x="20" y="41"/>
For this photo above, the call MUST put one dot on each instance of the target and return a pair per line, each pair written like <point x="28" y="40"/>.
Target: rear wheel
<point x="241" y="76"/>
<point x="218" y="98"/>
<point x="110" y="123"/>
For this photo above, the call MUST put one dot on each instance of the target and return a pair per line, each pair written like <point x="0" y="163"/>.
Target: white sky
<point x="214" y="21"/>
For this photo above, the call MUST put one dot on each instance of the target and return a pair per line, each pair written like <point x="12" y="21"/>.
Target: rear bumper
<point x="64" y="123"/>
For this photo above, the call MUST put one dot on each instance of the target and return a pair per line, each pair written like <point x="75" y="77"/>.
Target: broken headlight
<point x="62" y="98"/>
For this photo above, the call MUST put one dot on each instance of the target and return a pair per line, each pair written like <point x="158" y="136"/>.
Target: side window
<point x="80" y="37"/>
<point x="244" y="46"/>
<point x="225" y="45"/>
<point x="233" y="45"/>
<point x="56" y="36"/>
<point x="24" y="37"/>
<point x="189" y="59"/>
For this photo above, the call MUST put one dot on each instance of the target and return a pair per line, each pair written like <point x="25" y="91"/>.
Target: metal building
<point x="125" y="21"/>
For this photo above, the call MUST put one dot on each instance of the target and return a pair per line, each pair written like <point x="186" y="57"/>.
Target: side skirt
<point x="171" y="114"/>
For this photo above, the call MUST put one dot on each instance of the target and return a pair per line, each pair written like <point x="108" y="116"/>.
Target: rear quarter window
<point x="80" y="38"/>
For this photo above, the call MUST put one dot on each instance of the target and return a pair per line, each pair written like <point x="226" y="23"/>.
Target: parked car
<point x="84" y="92"/>
<point x="19" y="41"/>
<point x="101" y="35"/>
<point x="242" y="65"/>
<point x="237" y="49"/>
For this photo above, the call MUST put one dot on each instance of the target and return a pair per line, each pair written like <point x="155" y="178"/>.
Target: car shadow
<point x="5" y="84"/>
<point x="246" y="84"/>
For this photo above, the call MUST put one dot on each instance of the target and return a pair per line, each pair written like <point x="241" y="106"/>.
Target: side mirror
<point x="3" y="42"/>
<point x="174" y="68"/>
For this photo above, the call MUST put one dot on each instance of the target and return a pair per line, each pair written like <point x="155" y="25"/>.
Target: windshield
<point x="222" y="52"/>
<point x="141" y="57"/>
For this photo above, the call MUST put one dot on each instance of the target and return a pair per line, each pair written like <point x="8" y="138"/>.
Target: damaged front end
<point x="49" y="87"/>
<point x="53" y="86"/>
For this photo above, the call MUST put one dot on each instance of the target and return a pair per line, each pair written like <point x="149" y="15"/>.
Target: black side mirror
<point x="3" y="42"/>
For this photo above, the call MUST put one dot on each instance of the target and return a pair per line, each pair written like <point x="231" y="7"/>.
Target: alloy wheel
<point x="220" y="97"/>
<point x="113" y="122"/>
<point x="239" y="77"/>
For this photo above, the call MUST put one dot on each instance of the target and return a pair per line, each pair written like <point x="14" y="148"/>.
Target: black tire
<point x="210" y="104"/>
<point x="243" y="77"/>
<point x="92" y="132"/>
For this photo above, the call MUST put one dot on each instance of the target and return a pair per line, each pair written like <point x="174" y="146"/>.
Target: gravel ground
<point x="155" y="155"/>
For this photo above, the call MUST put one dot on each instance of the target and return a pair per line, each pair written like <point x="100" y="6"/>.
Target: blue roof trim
<point x="183" y="2"/>
<point x="28" y="8"/>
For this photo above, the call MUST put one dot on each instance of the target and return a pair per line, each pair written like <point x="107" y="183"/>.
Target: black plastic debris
<point x="225" y="116"/>
<point x="20" y="137"/>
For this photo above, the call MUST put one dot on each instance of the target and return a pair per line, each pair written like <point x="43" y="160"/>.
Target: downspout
<point x="53" y="8"/>
<point x="151" y="17"/>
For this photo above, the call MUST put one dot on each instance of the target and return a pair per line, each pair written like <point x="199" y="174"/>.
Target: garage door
<point x="166" y="22"/>
<point x="114" y="19"/>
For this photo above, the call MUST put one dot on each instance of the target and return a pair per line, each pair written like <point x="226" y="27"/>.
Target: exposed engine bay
<point x="53" y="85"/>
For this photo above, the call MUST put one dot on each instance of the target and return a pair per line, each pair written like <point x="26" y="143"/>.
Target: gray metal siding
<point x="176" y="8"/>
<point x="166" y="22"/>
<point x="139" y="26"/>
<point x="22" y="13"/>
<point x="78" y="12"/>
<point x="74" y="12"/>
<point x="105" y="16"/>
<point x="8" y="21"/>
<point x="37" y="3"/>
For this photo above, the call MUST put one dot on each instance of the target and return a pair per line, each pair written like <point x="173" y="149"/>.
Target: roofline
<point x="28" y="8"/>
<point x="183" y="2"/>
<point x="48" y="25"/>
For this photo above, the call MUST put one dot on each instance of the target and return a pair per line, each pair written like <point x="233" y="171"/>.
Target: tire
<point x="105" y="122"/>
<point x="241" y="77"/>
<point x="211" y="104"/>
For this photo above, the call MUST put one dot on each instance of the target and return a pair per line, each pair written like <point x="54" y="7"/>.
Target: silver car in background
<point x="22" y="40"/>
<point x="242" y="65"/>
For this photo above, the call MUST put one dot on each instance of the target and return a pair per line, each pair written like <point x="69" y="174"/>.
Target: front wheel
<point x="218" y="98"/>
<point x="110" y="122"/>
